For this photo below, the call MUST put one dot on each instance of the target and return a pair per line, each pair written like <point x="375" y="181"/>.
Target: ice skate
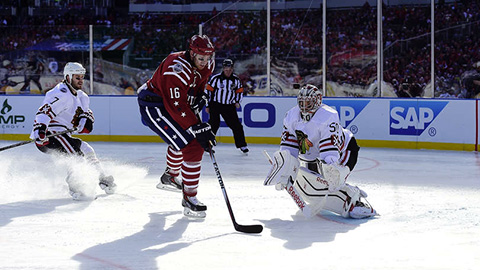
<point x="76" y="191"/>
<point x="193" y="208"/>
<point x="244" y="150"/>
<point x="106" y="184"/>
<point x="169" y="182"/>
<point x="362" y="210"/>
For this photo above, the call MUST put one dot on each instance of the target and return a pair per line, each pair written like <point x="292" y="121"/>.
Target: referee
<point x="225" y="92"/>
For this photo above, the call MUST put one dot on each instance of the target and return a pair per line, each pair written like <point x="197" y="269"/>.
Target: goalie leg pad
<point x="284" y="166"/>
<point x="346" y="201"/>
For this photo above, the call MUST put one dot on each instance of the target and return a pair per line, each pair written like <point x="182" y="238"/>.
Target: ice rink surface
<point x="429" y="203"/>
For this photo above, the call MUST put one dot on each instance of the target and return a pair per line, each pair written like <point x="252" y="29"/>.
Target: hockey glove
<point x="204" y="135"/>
<point x="336" y="176"/>
<point x="85" y="123"/>
<point x="200" y="102"/>
<point x="40" y="135"/>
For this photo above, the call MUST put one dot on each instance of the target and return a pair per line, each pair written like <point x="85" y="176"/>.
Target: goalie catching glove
<point x="335" y="174"/>
<point x="204" y="135"/>
<point x="284" y="167"/>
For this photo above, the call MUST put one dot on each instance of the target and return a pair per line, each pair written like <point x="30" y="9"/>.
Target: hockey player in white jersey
<point x="317" y="154"/>
<point x="66" y="107"/>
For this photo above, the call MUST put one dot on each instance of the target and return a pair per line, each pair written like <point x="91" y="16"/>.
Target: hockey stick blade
<point x="249" y="228"/>
<point x="238" y="227"/>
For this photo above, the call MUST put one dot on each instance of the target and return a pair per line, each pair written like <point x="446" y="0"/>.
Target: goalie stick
<point x="293" y="192"/>
<point x="238" y="227"/>
<point x="32" y="140"/>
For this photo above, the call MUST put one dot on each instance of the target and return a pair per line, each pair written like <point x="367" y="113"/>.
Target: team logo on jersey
<point x="303" y="142"/>
<point x="347" y="110"/>
<point x="178" y="68"/>
<point x="414" y="117"/>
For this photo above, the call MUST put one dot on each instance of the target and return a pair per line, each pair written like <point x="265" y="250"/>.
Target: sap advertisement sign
<point x="414" y="117"/>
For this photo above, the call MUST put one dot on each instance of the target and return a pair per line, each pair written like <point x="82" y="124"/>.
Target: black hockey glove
<point x="40" y="135"/>
<point x="84" y="121"/>
<point x="204" y="135"/>
<point x="200" y="102"/>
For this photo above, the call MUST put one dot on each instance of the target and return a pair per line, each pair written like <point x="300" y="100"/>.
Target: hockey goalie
<point x="315" y="158"/>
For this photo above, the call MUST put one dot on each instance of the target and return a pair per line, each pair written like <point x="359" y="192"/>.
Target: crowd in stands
<point x="296" y="36"/>
<point x="182" y="2"/>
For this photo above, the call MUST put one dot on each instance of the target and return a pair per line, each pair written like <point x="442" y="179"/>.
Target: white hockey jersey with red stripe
<point x="60" y="108"/>
<point x="320" y="137"/>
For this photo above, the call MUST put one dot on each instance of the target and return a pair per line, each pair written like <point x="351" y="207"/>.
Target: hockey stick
<point x="293" y="192"/>
<point x="238" y="227"/>
<point x="32" y="140"/>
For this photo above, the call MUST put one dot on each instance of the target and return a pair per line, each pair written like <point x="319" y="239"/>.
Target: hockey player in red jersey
<point x="316" y="156"/>
<point x="66" y="107"/>
<point x="169" y="105"/>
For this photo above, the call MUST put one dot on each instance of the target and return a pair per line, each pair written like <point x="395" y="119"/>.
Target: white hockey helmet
<point x="309" y="100"/>
<point x="73" y="68"/>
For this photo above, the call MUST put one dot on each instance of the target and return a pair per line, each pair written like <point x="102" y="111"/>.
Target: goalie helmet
<point x="309" y="100"/>
<point x="73" y="68"/>
<point x="201" y="44"/>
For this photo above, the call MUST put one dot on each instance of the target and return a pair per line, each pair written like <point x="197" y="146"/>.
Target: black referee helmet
<point x="227" y="63"/>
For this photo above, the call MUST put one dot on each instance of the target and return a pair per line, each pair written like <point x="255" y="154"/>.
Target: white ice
<point x="429" y="203"/>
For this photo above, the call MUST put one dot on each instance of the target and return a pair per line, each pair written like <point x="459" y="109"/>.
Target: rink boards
<point x="376" y="122"/>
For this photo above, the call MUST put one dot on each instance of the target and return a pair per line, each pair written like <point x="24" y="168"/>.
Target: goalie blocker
<point x="320" y="192"/>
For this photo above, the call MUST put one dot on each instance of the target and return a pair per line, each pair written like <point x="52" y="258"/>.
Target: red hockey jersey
<point x="179" y="82"/>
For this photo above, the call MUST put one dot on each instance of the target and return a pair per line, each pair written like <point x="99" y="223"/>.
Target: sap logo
<point x="265" y="111"/>
<point x="348" y="109"/>
<point x="413" y="117"/>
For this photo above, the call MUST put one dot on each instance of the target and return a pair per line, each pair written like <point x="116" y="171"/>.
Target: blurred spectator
<point x="471" y="81"/>
<point x="32" y="72"/>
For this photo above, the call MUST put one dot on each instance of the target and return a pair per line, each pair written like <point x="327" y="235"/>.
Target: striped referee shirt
<point x="224" y="90"/>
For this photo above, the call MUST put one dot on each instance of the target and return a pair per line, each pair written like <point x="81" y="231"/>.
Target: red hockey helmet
<point x="201" y="45"/>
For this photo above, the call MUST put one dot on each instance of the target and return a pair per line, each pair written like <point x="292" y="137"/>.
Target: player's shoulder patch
<point x="178" y="68"/>
<point x="58" y="90"/>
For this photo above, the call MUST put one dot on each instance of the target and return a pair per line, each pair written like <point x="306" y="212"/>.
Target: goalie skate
<point x="169" y="182"/>
<point x="362" y="210"/>
<point x="193" y="208"/>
